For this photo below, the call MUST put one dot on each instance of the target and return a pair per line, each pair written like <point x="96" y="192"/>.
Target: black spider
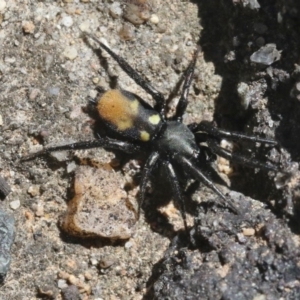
<point x="168" y="141"/>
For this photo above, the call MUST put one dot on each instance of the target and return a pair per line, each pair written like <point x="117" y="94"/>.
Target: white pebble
<point x="154" y="19"/>
<point x="2" y="5"/>
<point x="115" y="10"/>
<point x="128" y="245"/>
<point x="15" y="204"/>
<point x="84" y="26"/>
<point x="67" y="21"/>
<point x="71" y="167"/>
<point x="59" y="155"/>
<point x="70" y="53"/>
<point x="93" y="261"/>
<point x="61" y="284"/>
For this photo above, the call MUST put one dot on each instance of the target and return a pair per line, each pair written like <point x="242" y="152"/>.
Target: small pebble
<point x="85" y="26"/>
<point x="39" y="209"/>
<point x="34" y="190"/>
<point x="67" y="21"/>
<point x="126" y="33"/>
<point x="243" y="92"/>
<point x="70" y="52"/>
<point x="73" y="280"/>
<point x="28" y="26"/>
<point x="95" y="80"/>
<point x="61" y="284"/>
<point x="71" y="293"/>
<point x="128" y="245"/>
<point x="59" y="155"/>
<point x="154" y="19"/>
<point x="2" y="5"/>
<point x="252" y="4"/>
<point x="106" y="263"/>
<point x="15" y="204"/>
<point x="248" y="231"/>
<point x="93" y="261"/>
<point x="241" y="238"/>
<point x="266" y="55"/>
<point x="115" y="10"/>
<point x="71" y="167"/>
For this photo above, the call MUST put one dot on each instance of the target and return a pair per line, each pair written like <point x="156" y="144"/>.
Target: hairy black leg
<point x="99" y="142"/>
<point x="148" y="168"/>
<point x="209" y="154"/>
<point x="92" y="101"/>
<point x="177" y="192"/>
<point x="238" y="158"/>
<point x="207" y="127"/>
<point x="198" y="175"/>
<point x="145" y="84"/>
<point x="183" y="101"/>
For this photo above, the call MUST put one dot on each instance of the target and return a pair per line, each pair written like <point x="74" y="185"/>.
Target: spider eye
<point x="128" y="115"/>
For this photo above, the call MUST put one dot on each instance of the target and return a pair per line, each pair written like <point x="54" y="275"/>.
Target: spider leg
<point x="91" y="100"/>
<point x="176" y="190"/>
<point x="213" y="144"/>
<point x="183" y="101"/>
<point x="197" y="174"/>
<point x="210" y="156"/>
<point x="207" y="127"/>
<point x="145" y="84"/>
<point x="148" y="168"/>
<point x="99" y="142"/>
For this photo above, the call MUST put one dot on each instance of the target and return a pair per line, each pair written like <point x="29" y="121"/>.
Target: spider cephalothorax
<point x="168" y="141"/>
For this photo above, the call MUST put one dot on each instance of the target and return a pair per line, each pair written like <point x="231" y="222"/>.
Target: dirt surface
<point x="48" y="70"/>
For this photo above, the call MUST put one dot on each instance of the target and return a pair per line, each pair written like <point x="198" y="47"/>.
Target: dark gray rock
<point x="4" y="188"/>
<point x="264" y="264"/>
<point x="7" y="227"/>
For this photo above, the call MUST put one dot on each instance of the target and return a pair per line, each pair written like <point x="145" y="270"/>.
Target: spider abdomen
<point x="128" y="115"/>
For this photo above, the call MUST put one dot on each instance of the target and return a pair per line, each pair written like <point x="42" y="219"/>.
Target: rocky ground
<point x="246" y="79"/>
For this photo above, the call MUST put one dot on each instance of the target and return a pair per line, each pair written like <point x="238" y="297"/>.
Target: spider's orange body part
<point x="117" y="110"/>
<point x="123" y="112"/>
